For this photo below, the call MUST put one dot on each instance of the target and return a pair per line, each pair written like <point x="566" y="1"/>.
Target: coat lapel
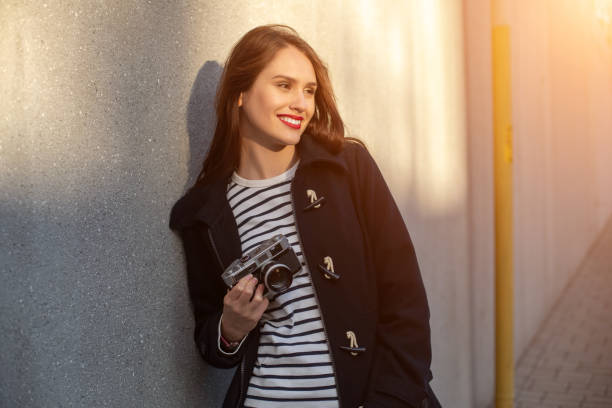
<point x="217" y="214"/>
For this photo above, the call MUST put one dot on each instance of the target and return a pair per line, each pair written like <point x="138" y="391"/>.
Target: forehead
<point x="291" y="62"/>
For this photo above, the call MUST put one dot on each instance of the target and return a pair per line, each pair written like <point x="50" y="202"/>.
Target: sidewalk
<point x="569" y="364"/>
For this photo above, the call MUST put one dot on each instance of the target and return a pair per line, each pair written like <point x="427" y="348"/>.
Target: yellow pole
<point x="504" y="276"/>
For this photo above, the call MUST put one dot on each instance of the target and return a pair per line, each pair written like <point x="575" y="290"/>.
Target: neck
<point x="258" y="162"/>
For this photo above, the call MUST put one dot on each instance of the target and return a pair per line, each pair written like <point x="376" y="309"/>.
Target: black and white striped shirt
<point x="293" y="360"/>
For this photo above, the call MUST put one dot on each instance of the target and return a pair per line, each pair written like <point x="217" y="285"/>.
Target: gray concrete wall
<point x="93" y="299"/>
<point x="105" y="115"/>
<point x="562" y="99"/>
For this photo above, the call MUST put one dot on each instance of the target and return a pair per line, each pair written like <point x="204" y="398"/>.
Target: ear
<point x="240" y="100"/>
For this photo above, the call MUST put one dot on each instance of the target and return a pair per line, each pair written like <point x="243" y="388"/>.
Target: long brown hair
<point x="248" y="58"/>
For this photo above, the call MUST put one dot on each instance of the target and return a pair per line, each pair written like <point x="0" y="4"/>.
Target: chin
<point x="288" y="140"/>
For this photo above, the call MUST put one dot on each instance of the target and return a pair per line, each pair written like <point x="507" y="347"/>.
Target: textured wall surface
<point x="105" y="115"/>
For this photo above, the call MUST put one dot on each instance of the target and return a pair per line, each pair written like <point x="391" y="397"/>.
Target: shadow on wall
<point x="201" y="118"/>
<point x="201" y="121"/>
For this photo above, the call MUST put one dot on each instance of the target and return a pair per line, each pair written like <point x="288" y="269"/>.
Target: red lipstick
<point x="291" y="116"/>
<point x="292" y="125"/>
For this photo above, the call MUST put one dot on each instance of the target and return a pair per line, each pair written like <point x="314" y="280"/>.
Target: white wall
<point x="562" y="65"/>
<point x="562" y="120"/>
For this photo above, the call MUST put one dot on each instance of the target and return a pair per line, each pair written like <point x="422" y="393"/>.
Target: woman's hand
<point x="240" y="312"/>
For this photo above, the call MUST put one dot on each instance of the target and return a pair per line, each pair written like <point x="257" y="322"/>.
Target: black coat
<point x="379" y="294"/>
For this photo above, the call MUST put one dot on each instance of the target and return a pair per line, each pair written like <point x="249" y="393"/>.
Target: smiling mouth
<point x="291" y="122"/>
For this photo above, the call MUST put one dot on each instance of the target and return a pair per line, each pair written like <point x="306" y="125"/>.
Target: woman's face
<point x="280" y="103"/>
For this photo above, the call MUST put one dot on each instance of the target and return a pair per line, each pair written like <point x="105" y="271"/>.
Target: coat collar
<point x="311" y="150"/>
<point x="206" y="202"/>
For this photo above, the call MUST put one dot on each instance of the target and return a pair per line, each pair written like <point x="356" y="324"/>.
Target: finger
<point x="238" y="288"/>
<point x="261" y="308"/>
<point x="258" y="293"/>
<point x="244" y="280"/>
<point x="247" y="292"/>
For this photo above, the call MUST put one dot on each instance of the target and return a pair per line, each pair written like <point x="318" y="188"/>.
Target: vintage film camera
<point x="273" y="263"/>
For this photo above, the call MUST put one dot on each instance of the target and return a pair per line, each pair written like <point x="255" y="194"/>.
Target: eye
<point x="284" y="85"/>
<point x="311" y="91"/>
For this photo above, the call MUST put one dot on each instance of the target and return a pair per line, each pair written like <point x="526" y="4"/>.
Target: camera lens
<point x="278" y="277"/>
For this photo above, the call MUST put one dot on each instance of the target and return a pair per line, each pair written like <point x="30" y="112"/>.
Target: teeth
<point x="291" y="120"/>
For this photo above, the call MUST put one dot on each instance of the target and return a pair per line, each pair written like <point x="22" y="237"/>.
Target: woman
<point x="353" y="327"/>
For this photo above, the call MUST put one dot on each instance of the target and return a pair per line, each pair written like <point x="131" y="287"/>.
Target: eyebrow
<point x="293" y="80"/>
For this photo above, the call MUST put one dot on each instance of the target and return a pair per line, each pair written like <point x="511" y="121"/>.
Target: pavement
<point x="569" y="362"/>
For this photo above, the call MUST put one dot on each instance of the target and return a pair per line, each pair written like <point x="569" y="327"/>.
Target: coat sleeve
<point x="206" y="291"/>
<point x="401" y="368"/>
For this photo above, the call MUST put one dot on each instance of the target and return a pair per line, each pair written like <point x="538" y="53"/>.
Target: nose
<point x="299" y="103"/>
